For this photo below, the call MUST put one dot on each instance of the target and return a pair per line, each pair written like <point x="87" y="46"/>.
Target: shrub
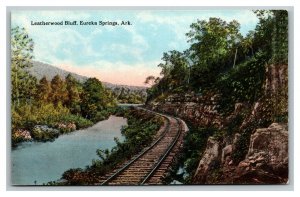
<point x="44" y="133"/>
<point x="242" y="83"/>
<point x="27" y="116"/>
<point x="79" y="121"/>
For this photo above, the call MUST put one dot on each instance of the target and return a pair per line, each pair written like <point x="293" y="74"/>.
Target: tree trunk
<point x="235" y="57"/>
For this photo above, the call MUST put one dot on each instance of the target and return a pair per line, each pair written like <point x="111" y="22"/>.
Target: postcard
<point x="149" y="97"/>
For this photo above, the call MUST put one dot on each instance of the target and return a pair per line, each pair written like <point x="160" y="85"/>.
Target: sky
<point x="122" y="54"/>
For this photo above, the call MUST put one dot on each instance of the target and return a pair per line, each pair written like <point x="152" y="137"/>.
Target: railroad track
<point x="151" y="165"/>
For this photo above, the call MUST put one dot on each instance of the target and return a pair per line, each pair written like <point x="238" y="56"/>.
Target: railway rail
<point x="151" y="165"/>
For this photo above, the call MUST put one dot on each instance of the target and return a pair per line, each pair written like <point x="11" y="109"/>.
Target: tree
<point x="235" y="38"/>
<point x="150" y="80"/>
<point x="58" y="91"/>
<point x="122" y="94"/>
<point x="21" y="56"/>
<point x="280" y="37"/>
<point x="43" y="91"/>
<point x="213" y="44"/>
<point x="247" y="43"/>
<point x="93" y="97"/>
<point x="209" y="40"/>
<point x="177" y="65"/>
<point x="74" y="90"/>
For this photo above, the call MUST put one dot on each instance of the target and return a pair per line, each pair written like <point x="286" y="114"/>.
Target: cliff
<point x="251" y="143"/>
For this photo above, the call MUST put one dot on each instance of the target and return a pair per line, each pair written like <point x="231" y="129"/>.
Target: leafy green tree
<point x="74" y="89"/>
<point x="271" y="35"/>
<point x="150" y="80"/>
<point x="93" y="98"/>
<point x="122" y="95"/>
<point x="235" y="38"/>
<point x="58" y="91"/>
<point x="208" y="40"/>
<point x="213" y="44"/>
<point x="21" y="55"/>
<point x="280" y="37"/>
<point x="247" y="43"/>
<point x="178" y="68"/>
<point x="43" y="91"/>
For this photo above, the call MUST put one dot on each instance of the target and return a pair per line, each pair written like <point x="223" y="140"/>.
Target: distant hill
<point x="40" y="69"/>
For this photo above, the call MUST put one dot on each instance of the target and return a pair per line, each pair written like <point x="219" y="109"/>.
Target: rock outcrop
<point x="199" y="110"/>
<point x="209" y="161"/>
<point x="267" y="158"/>
<point x="248" y="152"/>
<point x="265" y="163"/>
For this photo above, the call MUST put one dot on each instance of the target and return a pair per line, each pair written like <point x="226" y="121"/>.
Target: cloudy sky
<point x="116" y="54"/>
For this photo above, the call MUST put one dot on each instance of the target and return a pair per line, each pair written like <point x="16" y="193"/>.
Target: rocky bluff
<point x="254" y="150"/>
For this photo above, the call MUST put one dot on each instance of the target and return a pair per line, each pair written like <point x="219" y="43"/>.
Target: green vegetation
<point x="220" y="61"/>
<point x="243" y="83"/>
<point x="139" y="133"/>
<point x="63" y="104"/>
<point x="126" y="95"/>
<point x="193" y="148"/>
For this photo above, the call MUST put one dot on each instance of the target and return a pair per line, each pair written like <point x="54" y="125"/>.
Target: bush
<point x="79" y="121"/>
<point x="243" y="83"/>
<point x="27" y="116"/>
<point x="194" y="146"/>
<point x="20" y="135"/>
<point x="44" y="133"/>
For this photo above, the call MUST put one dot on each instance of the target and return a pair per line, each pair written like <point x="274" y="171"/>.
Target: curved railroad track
<point x="151" y="165"/>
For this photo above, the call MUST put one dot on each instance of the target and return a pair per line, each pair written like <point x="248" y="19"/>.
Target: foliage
<point x="243" y="83"/>
<point x="27" y="116"/>
<point x="19" y="136"/>
<point x="58" y="90"/>
<point x="280" y="37"/>
<point x="44" y="133"/>
<point x="43" y="91"/>
<point x="74" y="90"/>
<point x="220" y="59"/>
<point x="194" y="146"/>
<point x="126" y="95"/>
<point x="271" y="34"/>
<point x="95" y="99"/>
<point x="214" y="44"/>
<point x="59" y="104"/>
<point x="79" y="121"/>
<point x="23" y="84"/>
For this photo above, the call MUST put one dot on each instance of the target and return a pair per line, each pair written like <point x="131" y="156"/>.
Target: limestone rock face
<point x="209" y="160"/>
<point x="273" y="141"/>
<point x="199" y="110"/>
<point x="263" y="151"/>
<point x="267" y="158"/>
<point x="226" y="152"/>
<point x="276" y="78"/>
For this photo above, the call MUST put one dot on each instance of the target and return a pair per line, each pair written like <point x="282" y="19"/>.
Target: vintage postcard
<point x="149" y="97"/>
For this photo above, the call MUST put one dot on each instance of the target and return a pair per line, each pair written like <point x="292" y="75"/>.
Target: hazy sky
<point x="116" y="54"/>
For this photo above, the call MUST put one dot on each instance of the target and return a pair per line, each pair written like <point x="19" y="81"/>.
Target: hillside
<point x="40" y="69"/>
<point x="234" y="98"/>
